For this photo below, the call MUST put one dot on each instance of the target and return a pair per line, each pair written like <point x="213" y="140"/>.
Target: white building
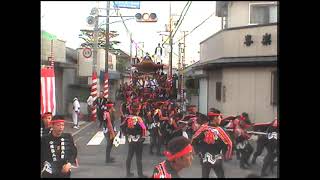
<point x="237" y="71"/>
<point x="85" y="70"/>
<point x="65" y="67"/>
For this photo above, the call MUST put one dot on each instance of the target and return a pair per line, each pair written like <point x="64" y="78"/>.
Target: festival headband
<point x="46" y="114"/>
<point x="213" y="114"/>
<point x="179" y="154"/>
<point x="56" y="121"/>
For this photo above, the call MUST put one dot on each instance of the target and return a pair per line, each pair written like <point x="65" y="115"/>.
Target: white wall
<point x="238" y="12"/>
<point x="230" y="43"/>
<point x="59" y="50"/>
<point x="69" y="76"/>
<point x="249" y="90"/>
<point x="112" y="60"/>
<point x="203" y="95"/>
<point x="59" y="91"/>
<point x="194" y="100"/>
<point x="85" y="64"/>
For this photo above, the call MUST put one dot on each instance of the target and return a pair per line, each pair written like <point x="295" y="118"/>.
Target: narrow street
<point x="92" y="159"/>
<point x="178" y="65"/>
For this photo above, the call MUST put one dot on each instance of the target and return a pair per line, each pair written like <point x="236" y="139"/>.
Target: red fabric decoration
<point x="226" y="139"/>
<point x="181" y="153"/>
<point x="209" y="137"/>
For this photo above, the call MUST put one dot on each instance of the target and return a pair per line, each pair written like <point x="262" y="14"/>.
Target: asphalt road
<point x="92" y="164"/>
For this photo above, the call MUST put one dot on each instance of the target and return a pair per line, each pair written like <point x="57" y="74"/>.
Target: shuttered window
<point x="274" y="88"/>
<point x="218" y="91"/>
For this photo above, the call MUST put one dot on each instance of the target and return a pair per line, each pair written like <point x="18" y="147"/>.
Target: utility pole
<point x="107" y="39"/>
<point x="180" y="73"/>
<point x="136" y="50"/>
<point x="106" y="71"/>
<point x="184" y="48"/>
<point x="170" y="39"/>
<point x="95" y="48"/>
<point x="142" y="49"/>
<point x="131" y="47"/>
<point x="183" y="64"/>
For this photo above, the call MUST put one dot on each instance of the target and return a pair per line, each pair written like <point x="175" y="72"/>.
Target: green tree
<point x="122" y="64"/>
<point x="87" y="37"/>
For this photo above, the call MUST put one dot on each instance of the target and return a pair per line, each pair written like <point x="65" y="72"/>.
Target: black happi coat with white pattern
<point x="56" y="152"/>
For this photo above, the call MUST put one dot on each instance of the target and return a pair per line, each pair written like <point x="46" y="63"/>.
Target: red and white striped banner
<point x="94" y="94"/>
<point x="106" y="86"/>
<point x="48" y="96"/>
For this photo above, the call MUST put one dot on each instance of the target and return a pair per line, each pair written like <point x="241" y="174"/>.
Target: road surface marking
<point x="147" y="140"/>
<point x="97" y="139"/>
<point x="82" y="128"/>
<point x="77" y="139"/>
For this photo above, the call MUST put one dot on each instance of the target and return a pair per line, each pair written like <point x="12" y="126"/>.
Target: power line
<point x="122" y="19"/>
<point x="126" y="27"/>
<point x="180" y="22"/>
<point x="115" y="22"/>
<point x="136" y="44"/>
<point x="195" y="27"/>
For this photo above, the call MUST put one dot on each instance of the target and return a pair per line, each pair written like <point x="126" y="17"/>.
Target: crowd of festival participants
<point x="148" y="108"/>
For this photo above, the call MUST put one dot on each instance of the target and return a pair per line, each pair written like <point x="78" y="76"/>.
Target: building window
<point x="224" y="93"/>
<point x="263" y="13"/>
<point x="274" y="88"/>
<point x="218" y="91"/>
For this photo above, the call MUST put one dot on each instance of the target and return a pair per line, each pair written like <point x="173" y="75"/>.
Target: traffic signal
<point x="146" y="17"/>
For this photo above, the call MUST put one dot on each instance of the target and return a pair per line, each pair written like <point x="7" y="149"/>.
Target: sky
<point x="65" y="19"/>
